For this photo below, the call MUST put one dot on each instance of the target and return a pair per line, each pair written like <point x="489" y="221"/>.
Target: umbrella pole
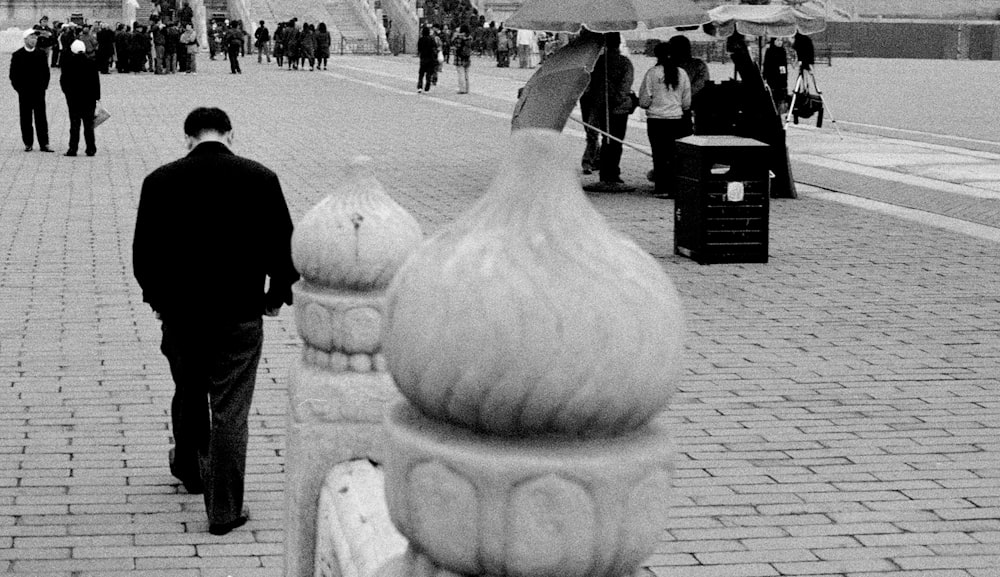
<point x="606" y="135"/>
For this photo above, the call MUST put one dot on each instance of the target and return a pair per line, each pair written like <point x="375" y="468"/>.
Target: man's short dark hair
<point x="207" y="119"/>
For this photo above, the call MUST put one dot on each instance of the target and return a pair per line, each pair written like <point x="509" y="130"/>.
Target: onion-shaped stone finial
<point x="357" y="237"/>
<point x="530" y="315"/>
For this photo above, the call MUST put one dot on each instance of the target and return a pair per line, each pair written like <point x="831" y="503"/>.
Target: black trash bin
<point x="721" y="210"/>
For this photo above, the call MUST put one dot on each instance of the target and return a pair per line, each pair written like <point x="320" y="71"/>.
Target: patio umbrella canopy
<point x="604" y="15"/>
<point x="774" y="20"/>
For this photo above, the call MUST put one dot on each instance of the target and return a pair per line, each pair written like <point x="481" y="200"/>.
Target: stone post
<point x="534" y="346"/>
<point x="347" y="249"/>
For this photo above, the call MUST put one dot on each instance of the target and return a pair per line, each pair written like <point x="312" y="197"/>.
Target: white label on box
<point x="734" y="191"/>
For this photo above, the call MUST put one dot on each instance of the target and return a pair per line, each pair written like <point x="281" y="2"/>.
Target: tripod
<point x="802" y="84"/>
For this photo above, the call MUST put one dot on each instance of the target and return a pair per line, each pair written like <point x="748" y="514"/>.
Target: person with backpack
<point x="463" y="57"/>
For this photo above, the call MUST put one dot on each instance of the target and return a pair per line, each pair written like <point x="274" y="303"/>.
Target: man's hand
<point x="272" y="311"/>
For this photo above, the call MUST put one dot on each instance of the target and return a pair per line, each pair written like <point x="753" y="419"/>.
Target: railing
<point x="362" y="45"/>
<point x="524" y="440"/>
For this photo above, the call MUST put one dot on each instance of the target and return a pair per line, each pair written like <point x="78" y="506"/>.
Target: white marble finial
<point x="357" y="237"/>
<point x="530" y="315"/>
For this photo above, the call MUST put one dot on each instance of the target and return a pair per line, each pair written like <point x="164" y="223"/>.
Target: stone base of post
<point x="479" y="504"/>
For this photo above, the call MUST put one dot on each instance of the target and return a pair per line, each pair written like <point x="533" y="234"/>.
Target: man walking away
<point x="234" y="41"/>
<point x="211" y="228"/>
<point x="29" y="75"/>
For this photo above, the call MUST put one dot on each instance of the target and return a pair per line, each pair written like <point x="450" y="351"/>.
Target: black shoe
<point x="45" y="148"/>
<point x="29" y="148"/>
<point x="223" y="528"/>
<point x="192" y="486"/>
<point x="91" y="152"/>
<point x="70" y="153"/>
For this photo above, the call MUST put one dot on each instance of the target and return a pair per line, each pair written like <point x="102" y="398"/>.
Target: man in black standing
<point x="29" y="75"/>
<point x="211" y="227"/>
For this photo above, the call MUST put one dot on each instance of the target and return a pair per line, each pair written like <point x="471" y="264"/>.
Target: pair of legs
<point x="463" y="78"/>
<point x="81" y="113"/>
<point x="611" y="150"/>
<point x="214" y="370"/>
<point x="234" y="60"/>
<point x="663" y="135"/>
<point x="32" y="107"/>
<point x="263" y="50"/>
<point x="424" y="75"/>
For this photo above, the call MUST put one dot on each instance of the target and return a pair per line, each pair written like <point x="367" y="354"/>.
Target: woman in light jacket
<point x="665" y="94"/>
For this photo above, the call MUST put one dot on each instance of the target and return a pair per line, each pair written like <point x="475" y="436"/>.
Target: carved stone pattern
<point x="552" y="528"/>
<point x="338" y="362"/>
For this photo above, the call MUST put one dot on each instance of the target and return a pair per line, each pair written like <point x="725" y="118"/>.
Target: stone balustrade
<point x="346" y="248"/>
<point x="532" y="346"/>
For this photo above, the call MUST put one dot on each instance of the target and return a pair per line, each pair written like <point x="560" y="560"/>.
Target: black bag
<point x="634" y="102"/>
<point x="807" y="104"/>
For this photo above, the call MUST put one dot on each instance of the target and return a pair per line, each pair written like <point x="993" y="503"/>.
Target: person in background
<point x="610" y="92"/>
<point x="171" y="47"/>
<point x="105" y="48"/>
<point x="775" y="72"/>
<point x="234" y="42"/>
<point x="122" y="36"/>
<point x="804" y="51"/>
<point x="47" y="38"/>
<point x="427" y="53"/>
<point x="307" y="46"/>
<point x="29" y="75"/>
<point x="211" y="230"/>
<point x="503" y="48"/>
<point x="262" y="41"/>
<point x="81" y="84"/>
<point x="665" y="95"/>
<point x="697" y="73"/>
<point x="323" y="42"/>
<point x="160" y="47"/>
<point x="463" y="57"/>
<point x="279" y="44"/>
<point x="190" y="44"/>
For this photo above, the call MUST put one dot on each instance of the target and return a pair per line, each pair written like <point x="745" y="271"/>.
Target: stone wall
<point x="24" y="13"/>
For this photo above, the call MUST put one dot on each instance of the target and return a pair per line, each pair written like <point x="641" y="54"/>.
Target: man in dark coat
<point x="105" y="48"/>
<point x="211" y="228"/>
<point x="29" y="75"/>
<point x="81" y="84"/>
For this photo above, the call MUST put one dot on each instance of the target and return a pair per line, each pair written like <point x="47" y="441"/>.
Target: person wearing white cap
<point x="29" y="75"/>
<point x="81" y="83"/>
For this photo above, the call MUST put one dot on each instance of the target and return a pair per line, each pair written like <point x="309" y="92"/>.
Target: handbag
<point x="807" y="104"/>
<point x="100" y="115"/>
<point x="440" y="56"/>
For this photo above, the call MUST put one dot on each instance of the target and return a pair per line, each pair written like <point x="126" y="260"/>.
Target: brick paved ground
<point x="838" y="413"/>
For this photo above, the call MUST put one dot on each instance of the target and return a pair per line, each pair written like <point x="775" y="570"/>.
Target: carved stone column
<point x="534" y="345"/>
<point x="347" y="249"/>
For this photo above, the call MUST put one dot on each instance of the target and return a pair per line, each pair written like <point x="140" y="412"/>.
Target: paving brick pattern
<point x="838" y="412"/>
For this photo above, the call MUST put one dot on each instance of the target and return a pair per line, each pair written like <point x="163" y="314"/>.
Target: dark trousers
<point x="234" y="59"/>
<point x="425" y="74"/>
<point x="611" y="150"/>
<point x="214" y="371"/>
<point x="81" y="112"/>
<point x="33" y="106"/>
<point x="663" y="135"/>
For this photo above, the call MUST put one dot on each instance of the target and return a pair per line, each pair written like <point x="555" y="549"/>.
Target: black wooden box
<point x="722" y="204"/>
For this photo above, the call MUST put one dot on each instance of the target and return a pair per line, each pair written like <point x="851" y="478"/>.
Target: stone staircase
<point x="343" y="18"/>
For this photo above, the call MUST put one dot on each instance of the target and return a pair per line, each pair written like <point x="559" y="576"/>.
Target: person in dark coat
<point x="122" y="36"/>
<point x="29" y="75"/>
<point x="775" y="71"/>
<point x="234" y="41"/>
<point x="105" y="48"/>
<point x="211" y="228"/>
<point x="427" y="51"/>
<point x="307" y="46"/>
<point x="323" y="42"/>
<point x="804" y="51"/>
<point x="611" y="105"/>
<point x="81" y="83"/>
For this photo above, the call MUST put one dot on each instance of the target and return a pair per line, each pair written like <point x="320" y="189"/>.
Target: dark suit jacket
<point x="29" y="71"/>
<point x="210" y="228"/>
